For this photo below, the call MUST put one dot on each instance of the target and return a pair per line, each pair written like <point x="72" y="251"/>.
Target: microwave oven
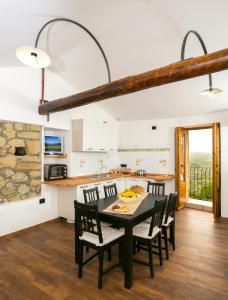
<point x="55" y="171"/>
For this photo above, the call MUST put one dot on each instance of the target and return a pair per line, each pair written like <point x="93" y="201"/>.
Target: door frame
<point x="216" y="162"/>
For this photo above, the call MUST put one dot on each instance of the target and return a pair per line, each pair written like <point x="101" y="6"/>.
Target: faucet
<point x="99" y="171"/>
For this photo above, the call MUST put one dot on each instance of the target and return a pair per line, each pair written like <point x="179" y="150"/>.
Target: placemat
<point x="132" y="206"/>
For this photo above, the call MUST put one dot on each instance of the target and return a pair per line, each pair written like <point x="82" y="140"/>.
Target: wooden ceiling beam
<point x="190" y="68"/>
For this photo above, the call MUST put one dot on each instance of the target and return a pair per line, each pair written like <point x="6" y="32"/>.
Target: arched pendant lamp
<point x="210" y="91"/>
<point x="33" y="57"/>
<point x="37" y="58"/>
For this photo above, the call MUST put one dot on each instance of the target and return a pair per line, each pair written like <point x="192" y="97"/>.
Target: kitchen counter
<point x="74" y="181"/>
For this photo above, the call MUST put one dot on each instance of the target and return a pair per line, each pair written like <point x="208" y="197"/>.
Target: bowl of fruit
<point x="128" y="196"/>
<point x="137" y="189"/>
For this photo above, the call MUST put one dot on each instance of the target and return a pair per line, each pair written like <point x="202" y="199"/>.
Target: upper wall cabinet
<point x="94" y="136"/>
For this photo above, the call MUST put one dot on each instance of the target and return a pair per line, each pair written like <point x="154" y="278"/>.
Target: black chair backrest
<point x="91" y="195"/>
<point x="171" y="206"/>
<point x="87" y="219"/>
<point x="156" y="188"/>
<point x="157" y="216"/>
<point x="110" y="190"/>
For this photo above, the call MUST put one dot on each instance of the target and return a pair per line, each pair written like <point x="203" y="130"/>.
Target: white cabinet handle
<point x="89" y="148"/>
<point x="84" y="186"/>
<point x="102" y="149"/>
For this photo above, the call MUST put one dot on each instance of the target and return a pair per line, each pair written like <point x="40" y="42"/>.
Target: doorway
<point x="198" y="176"/>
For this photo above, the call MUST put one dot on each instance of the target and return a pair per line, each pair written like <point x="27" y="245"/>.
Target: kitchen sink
<point x="97" y="177"/>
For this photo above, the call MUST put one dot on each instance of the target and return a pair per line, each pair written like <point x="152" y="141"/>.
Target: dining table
<point x="126" y="221"/>
<point x="143" y="212"/>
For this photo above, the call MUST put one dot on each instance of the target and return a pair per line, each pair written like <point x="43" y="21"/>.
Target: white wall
<point x="19" y="96"/>
<point x="138" y="134"/>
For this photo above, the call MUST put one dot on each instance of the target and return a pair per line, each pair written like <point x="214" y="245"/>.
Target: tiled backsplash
<point x="83" y="163"/>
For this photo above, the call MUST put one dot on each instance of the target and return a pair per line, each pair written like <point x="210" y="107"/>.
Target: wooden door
<point x="182" y="166"/>
<point x="216" y="170"/>
<point x="182" y="163"/>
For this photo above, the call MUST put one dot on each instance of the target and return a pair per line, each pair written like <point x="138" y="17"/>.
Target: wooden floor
<point x="39" y="264"/>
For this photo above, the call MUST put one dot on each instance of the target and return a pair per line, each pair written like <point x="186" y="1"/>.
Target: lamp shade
<point x="211" y="92"/>
<point x="33" y="57"/>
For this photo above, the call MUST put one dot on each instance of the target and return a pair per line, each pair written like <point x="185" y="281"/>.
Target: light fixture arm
<point x="86" y="30"/>
<point x="203" y="46"/>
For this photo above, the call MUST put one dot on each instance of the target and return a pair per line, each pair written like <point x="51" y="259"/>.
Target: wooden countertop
<point x="74" y="181"/>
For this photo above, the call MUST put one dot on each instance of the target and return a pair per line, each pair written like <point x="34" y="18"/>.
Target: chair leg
<point x="101" y="259"/>
<point x="172" y="234"/>
<point x="150" y="253"/>
<point x="138" y="246"/>
<point x="121" y="254"/>
<point x="76" y="249"/>
<point x="110" y="254"/>
<point x="134" y="247"/>
<point x="166" y="242"/>
<point x="87" y="249"/>
<point x="160" y="248"/>
<point x="80" y="259"/>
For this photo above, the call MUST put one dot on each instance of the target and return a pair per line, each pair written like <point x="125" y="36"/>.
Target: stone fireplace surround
<point x="20" y="176"/>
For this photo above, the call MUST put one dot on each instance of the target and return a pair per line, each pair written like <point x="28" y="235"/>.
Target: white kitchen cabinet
<point x="79" y="191"/>
<point x="111" y="133"/>
<point x="137" y="181"/>
<point x="100" y="186"/>
<point x="144" y="183"/>
<point x="131" y="181"/>
<point x="120" y="184"/>
<point x="94" y="136"/>
<point x="66" y="197"/>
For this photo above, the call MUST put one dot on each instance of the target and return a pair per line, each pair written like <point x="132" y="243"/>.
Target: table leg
<point x="128" y="253"/>
<point x="76" y="245"/>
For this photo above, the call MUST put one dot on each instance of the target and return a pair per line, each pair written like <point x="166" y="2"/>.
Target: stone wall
<point x="20" y="176"/>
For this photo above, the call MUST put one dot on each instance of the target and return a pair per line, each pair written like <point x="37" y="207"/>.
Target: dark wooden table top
<point x="143" y="212"/>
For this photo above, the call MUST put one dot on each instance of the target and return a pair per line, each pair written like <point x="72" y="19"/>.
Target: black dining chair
<point x="145" y="234"/>
<point x="169" y="223"/>
<point x="92" y="196"/>
<point x="110" y="190"/>
<point x="156" y="188"/>
<point x="97" y="237"/>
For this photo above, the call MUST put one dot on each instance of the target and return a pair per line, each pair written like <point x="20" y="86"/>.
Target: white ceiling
<point x="137" y="35"/>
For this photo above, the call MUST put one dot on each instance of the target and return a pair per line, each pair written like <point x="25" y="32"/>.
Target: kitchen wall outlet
<point x="42" y="200"/>
<point x="82" y="163"/>
<point x="101" y="162"/>
<point x="138" y="162"/>
<point x="163" y="162"/>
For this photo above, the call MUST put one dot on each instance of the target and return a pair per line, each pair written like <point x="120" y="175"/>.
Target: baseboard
<point x="21" y="231"/>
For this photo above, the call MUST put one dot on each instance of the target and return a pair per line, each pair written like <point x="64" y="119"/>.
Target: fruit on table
<point x="116" y="206"/>
<point x="137" y="189"/>
<point x="120" y="208"/>
<point x="128" y="194"/>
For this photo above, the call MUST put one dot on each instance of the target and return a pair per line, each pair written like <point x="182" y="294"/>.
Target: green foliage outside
<point x="200" y="185"/>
